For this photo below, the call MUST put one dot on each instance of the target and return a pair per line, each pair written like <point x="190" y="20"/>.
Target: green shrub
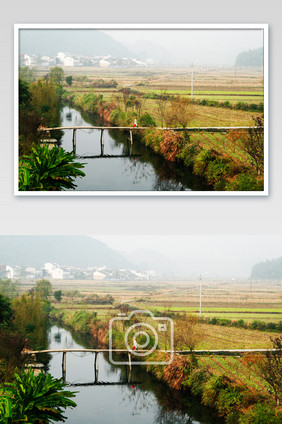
<point x="229" y="399"/>
<point x="82" y="321"/>
<point x="146" y="120"/>
<point x="196" y="380"/>
<point x="89" y="102"/>
<point x="48" y="170"/>
<point x="258" y="325"/>
<point x="213" y="387"/>
<point x="245" y="182"/>
<point x="261" y="414"/>
<point x="34" y="399"/>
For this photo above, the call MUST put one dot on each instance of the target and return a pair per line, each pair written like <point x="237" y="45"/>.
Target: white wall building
<point x="98" y="275"/>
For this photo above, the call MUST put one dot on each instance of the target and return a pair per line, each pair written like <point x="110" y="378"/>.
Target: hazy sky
<point x="208" y="255"/>
<point x="218" y="46"/>
<point x="221" y="38"/>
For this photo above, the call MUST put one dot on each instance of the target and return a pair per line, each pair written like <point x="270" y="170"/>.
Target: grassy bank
<point x="233" y="386"/>
<point x="221" y="159"/>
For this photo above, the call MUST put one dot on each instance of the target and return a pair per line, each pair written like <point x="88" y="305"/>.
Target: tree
<point x="187" y="333"/>
<point x="27" y="74"/>
<point x="9" y="288"/>
<point x="69" y="80"/>
<point x="270" y="368"/>
<point x="57" y="75"/>
<point x="162" y="103"/>
<point x="58" y="295"/>
<point x="125" y="93"/>
<point x="6" y="311"/>
<point x="43" y="288"/>
<point x="35" y="399"/>
<point x="181" y="112"/>
<point x="24" y="94"/>
<point x="252" y="142"/>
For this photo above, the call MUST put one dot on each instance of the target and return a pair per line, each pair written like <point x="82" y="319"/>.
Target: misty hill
<point x="250" y="58"/>
<point x="80" y="251"/>
<point x="83" y="42"/>
<point x="145" y="49"/>
<point x="268" y="270"/>
<point x="147" y="260"/>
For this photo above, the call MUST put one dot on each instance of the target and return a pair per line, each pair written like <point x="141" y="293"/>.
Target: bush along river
<point x="118" y="166"/>
<point x="143" y="400"/>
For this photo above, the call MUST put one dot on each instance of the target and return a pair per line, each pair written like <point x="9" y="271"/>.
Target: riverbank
<point x="229" y="385"/>
<point x="218" y="159"/>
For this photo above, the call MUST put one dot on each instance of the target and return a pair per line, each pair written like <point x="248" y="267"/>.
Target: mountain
<point x="145" y="49"/>
<point x="250" y="58"/>
<point x="148" y="260"/>
<point x="268" y="270"/>
<point x="83" y="42"/>
<point x="80" y="251"/>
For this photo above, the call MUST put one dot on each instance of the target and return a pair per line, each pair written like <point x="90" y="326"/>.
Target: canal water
<point x="120" y="167"/>
<point x="142" y="401"/>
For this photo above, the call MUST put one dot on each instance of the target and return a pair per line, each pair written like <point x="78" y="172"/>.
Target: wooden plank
<point x="179" y="352"/>
<point x="189" y="129"/>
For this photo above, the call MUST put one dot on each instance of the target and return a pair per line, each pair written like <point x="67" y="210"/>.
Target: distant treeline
<point x="268" y="270"/>
<point x="250" y="58"/>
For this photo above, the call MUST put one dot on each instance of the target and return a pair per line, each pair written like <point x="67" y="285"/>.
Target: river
<point x="142" y="401"/>
<point x="122" y="168"/>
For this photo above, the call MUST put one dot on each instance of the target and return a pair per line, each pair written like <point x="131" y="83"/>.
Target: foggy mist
<point x="200" y="47"/>
<point x="210" y="256"/>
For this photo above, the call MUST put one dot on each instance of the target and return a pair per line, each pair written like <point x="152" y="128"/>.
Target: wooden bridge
<point x="131" y="129"/>
<point x="129" y="353"/>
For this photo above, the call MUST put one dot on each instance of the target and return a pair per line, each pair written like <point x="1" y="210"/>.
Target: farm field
<point x="245" y="300"/>
<point x="244" y="85"/>
<point x="232" y="86"/>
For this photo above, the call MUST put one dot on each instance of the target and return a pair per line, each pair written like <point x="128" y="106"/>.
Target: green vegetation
<point x="26" y="397"/>
<point x="270" y="270"/>
<point x="57" y="75"/>
<point x="34" y="399"/>
<point x="228" y="162"/>
<point x="250" y="58"/>
<point x="48" y="170"/>
<point x="41" y="168"/>
<point x="58" y="295"/>
<point x="233" y="162"/>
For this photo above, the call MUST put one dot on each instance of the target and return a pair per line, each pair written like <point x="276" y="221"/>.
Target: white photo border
<point x="140" y="26"/>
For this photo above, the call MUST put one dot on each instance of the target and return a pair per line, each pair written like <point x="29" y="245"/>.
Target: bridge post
<point x="131" y="137"/>
<point x="129" y="365"/>
<point x="96" y="367"/>
<point x="102" y="142"/>
<point x="74" y="141"/>
<point x="64" y="365"/>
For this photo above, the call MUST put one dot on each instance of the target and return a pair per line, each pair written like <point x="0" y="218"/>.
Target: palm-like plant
<point x="35" y="399"/>
<point x="48" y="170"/>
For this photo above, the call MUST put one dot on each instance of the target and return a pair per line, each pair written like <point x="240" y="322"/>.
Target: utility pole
<point x="200" y="295"/>
<point x="192" y="80"/>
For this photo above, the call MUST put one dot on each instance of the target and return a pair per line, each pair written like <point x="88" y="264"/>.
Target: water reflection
<point x="114" y="163"/>
<point x="144" y="400"/>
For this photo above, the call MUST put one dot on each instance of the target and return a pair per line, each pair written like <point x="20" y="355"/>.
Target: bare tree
<point x="187" y="333"/>
<point x="181" y="112"/>
<point x="270" y="368"/>
<point x="162" y="103"/>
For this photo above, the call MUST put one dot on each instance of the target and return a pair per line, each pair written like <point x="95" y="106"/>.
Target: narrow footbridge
<point x="136" y="129"/>
<point x="130" y="353"/>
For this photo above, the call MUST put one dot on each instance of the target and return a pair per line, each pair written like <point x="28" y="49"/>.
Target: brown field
<point x="226" y="299"/>
<point x="225" y="84"/>
<point x="221" y="85"/>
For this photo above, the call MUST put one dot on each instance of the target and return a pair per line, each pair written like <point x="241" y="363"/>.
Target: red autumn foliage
<point x="170" y="145"/>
